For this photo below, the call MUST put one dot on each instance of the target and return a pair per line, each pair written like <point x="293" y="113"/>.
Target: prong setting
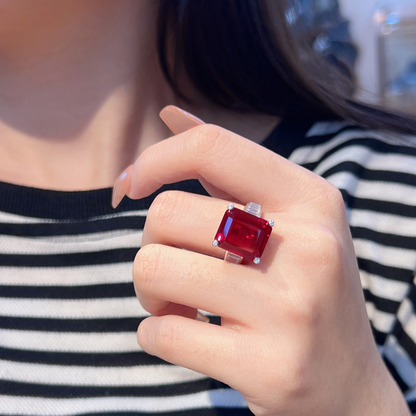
<point x="230" y="207"/>
<point x="271" y="223"/>
<point x="215" y="243"/>
<point x="256" y="260"/>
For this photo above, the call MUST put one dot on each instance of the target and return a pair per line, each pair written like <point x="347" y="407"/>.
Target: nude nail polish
<point x="179" y="120"/>
<point x="121" y="187"/>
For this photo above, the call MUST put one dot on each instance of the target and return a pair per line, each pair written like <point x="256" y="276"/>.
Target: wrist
<point x="379" y="394"/>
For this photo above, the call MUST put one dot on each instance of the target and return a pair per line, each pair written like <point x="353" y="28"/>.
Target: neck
<point x="80" y="90"/>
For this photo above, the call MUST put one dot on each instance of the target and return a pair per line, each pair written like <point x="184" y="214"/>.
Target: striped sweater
<point x="69" y="314"/>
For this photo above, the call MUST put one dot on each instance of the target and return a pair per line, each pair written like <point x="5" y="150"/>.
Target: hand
<point x="294" y="336"/>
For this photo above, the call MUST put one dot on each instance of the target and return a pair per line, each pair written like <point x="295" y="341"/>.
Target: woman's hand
<point x="294" y="336"/>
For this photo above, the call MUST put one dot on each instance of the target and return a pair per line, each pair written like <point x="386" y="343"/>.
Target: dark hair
<point x="242" y="55"/>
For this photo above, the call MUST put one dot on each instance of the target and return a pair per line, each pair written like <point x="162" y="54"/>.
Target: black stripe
<point x="375" y="145"/>
<point x="379" y="337"/>
<point x="412" y="406"/>
<point x="78" y="325"/>
<point x="403" y="386"/>
<point x="76" y="205"/>
<point x="404" y="340"/>
<point x="73" y="228"/>
<point x="71" y="325"/>
<point x="394" y="208"/>
<point x="371" y="175"/>
<point x="389" y="240"/>
<point x="125" y="359"/>
<point x="214" y="411"/>
<point x="64" y="391"/>
<point x="120" y="255"/>
<point x="412" y="296"/>
<point x="384" y="305"/>
<point x="389" y="272"/>
<point x="116" y="290"/>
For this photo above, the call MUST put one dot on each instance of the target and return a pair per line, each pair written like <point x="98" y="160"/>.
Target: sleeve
<point x="376" y="175"/>
<point x="399" y="351"/>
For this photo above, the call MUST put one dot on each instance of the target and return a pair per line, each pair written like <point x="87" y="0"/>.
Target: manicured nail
<point x="121" y="187"/>
<point x="179" y="120"/>
<point x="201" y="317"/>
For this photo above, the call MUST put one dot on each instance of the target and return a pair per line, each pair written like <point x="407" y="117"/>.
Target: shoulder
<point x="363" y="164"/>
<point x="376" y="174"/>
<point x="366" y="147"/>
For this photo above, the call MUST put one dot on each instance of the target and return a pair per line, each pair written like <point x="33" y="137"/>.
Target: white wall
<point x="360" y="14"/>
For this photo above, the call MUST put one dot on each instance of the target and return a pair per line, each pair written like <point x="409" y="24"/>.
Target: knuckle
<point x="207" y="140"/>
<point x="291" y="376"/>
<point x="145" y="267"/>
<point x="162" y="211"/>
<point x="334" y="197"/>
<point x="297" y="382"/>
<point x="307" y="310"/>
<point x="322" y="247"/>
<point x="330" y="196"/>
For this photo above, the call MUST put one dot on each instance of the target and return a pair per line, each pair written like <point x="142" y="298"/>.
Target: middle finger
<point x="188" y="221"/>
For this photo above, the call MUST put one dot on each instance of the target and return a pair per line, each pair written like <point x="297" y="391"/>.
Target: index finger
<point x="227" y="161"/>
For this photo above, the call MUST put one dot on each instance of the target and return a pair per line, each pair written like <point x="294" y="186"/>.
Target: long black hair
<point x="242" y="55"/>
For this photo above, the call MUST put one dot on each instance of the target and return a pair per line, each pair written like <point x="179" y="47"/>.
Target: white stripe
<point x="19" y="219"/>
<point x="383" y="223"/>
<point x="323" y="128"/>
<point x="406" y="316"/>
<point x="72" y="308"/>
<point x="410" y="395"/>
<point x="369" y="159"/>
<point x="71" y="244"/>
<point x="67" y="276"/>
<point x="59" y="407"/>
<point x="376" y="190"/>
<point x="96" y="308"/>
<point x="314" y="153"/>
<point x="382" y="321"/>
<point x="401" y="361"/>
<point x="384" y="288"/>
<point x="387" y="256"/>
<point x="149" y="375"/>
<point x="88" y="342"/>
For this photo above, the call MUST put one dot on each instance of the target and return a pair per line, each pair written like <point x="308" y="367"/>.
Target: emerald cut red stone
<point x="243" y="234"/>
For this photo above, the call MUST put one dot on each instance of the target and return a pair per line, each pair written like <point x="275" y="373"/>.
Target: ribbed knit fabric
<point x="68" y="311"/>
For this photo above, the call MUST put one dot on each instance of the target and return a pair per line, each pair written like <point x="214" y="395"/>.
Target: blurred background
<point x="372" y="42"/>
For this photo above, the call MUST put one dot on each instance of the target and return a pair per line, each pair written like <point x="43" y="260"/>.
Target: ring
<point x="243" y="233"/>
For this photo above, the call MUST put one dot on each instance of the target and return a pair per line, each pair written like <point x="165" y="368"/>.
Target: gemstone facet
<point x="243" y="234"/>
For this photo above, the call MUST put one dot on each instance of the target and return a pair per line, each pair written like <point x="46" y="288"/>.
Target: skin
<point x="295" y="336"/>
<point x="79" y="80"/>
<point x="294" y="331"/>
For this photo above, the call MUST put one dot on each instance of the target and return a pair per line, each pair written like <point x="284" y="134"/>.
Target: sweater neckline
<point x="76" y="205"/>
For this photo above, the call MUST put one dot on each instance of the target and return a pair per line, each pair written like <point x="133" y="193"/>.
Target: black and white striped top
<point x="68" y="312"/>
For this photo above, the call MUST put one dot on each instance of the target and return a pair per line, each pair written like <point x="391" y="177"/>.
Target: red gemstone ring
<point x="243" y="233"/>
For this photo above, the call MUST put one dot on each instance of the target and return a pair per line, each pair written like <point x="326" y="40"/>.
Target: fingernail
<point x="201" y="317"/>
<point x="179" y="120"/>
<point x="121" y="187"/>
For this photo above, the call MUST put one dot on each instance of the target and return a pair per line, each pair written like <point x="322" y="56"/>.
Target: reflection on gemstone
<point x="243" y="234"/>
